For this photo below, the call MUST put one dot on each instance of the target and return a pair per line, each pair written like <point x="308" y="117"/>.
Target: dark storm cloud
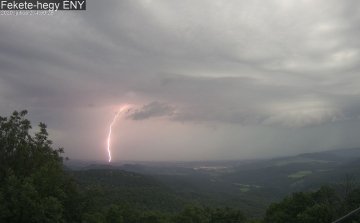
<point x="232" y="66"/>
<point x="262" y="64"/>
<point x="248" y="101"/>
<point x="154" y="109"/>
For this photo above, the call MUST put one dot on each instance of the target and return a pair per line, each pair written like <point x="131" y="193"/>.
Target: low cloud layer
<point x="154" y="109"/>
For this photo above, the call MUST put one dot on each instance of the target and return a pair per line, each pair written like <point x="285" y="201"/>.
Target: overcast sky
<point x="199" y="80"/>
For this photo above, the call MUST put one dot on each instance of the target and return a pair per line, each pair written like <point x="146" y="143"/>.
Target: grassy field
<point x="298" y="183"/>
<point x="300" y="174"/>
<point x="246" y="187"/>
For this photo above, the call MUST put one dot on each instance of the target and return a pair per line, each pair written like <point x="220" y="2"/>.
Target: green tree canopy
<point x="33" y="186"/>
<point x="30" y="173"/>
<point x="318" y="206"/>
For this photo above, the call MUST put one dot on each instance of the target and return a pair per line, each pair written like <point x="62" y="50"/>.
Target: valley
<point x="249" y="185"/>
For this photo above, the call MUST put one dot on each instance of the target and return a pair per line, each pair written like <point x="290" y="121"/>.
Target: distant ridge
<point x="127" y="167"/>
<point x="321" y="156"/>
<point x="350" y="152"/>
<point x="99" y="166"/>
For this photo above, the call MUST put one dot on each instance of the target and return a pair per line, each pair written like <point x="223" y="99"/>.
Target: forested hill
<point x="249" y="186"/>
<point x="116" y="178"/>
<point x="141" y="191"/>
<point x="146" y="193"/>
<point x="349" y="152"/>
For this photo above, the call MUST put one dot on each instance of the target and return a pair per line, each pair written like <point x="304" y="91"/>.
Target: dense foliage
<point x="146" y="193"/>
<point x="321" y="206"/>
<point x="34" y="188"/>
<point x="122" y="212"/>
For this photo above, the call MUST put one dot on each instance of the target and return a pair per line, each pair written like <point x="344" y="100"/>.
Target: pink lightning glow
<point x="108" y="147"/>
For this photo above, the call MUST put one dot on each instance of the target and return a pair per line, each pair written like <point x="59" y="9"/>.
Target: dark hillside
<point x="168" y="193"/>
<point x="249" y="186"/>
<point x="141" y="191"/>
<point x="350" y="152"/>
<point x="325" y="156"/>
<point x="333" y="175"/>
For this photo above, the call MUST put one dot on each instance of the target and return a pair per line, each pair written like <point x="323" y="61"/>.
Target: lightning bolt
<point x="108" y="146"/>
